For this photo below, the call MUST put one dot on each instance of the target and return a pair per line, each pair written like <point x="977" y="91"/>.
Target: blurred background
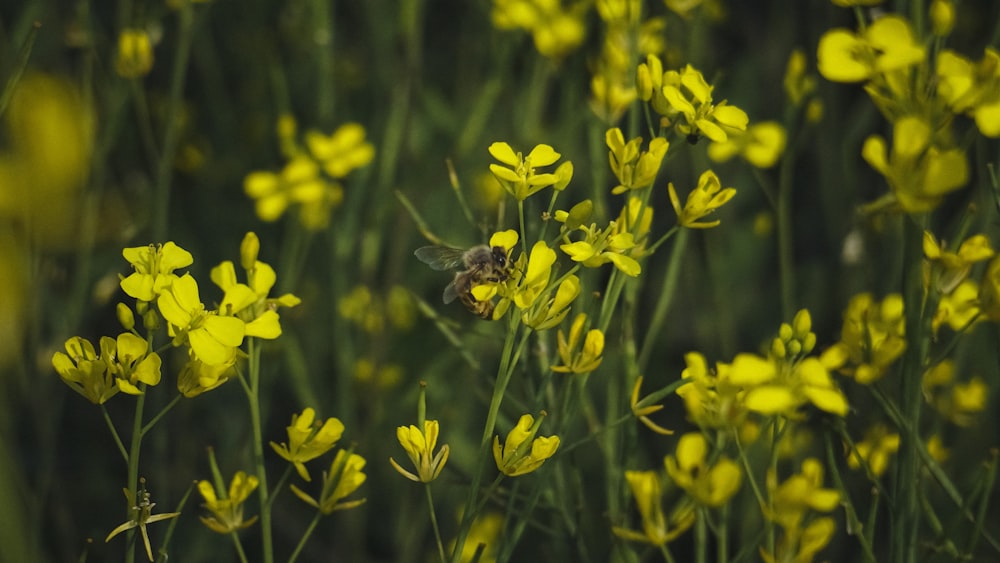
<point x="108" y="145"/>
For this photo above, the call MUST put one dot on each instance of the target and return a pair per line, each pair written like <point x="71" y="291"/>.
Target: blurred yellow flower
<point x="886" y="45"/>
<point x="135" y="53"/>
<point x="708" y="485"/>
<point x="342" y="151"/>
<point x="972" y="89"/>
<point x="308" y="439"/>
<point x="876" y="449"/>
<point x="959" y="402"/>
<point x="656" y="529"/>
<point x="761" y="145"/>
<point x="944" y="269"/>
<point x="227" y="508"/>
<point x="555" y="30"/>
<point x="299" y="183"/>
<point x="871" y="339"/>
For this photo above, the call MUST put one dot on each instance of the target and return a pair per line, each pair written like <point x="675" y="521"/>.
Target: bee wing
<point x="440" y="257"/>
<point x="450" y="293"/>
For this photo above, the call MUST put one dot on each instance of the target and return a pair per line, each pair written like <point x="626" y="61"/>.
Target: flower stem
<point x="133" y="468"/>
<point x="305" y="537"/>
<point x="434" y="523"/>
<point x="253" y="397"/>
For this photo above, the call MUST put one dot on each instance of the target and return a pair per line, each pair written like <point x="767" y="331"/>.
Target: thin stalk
<point x="434" y="523"/>
<point x="133" y="468"/>
<point x="253" y="397"/>
<point x="305" y="537"/>
<point x="663" y="300"/>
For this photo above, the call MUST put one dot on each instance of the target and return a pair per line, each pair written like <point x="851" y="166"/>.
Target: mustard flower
<point x="959" y="308"/>
<point x="419" y="445"/>
<point x="801" y="546"/>
<point x="641" y="410"/>
<point x="972" y="89"/>
<point x="689" y="94"/>
<point x="154" y="269"/>
<point x="197" y="377"/>
<point x="601" y="246"/>
<point x="635" y="217"/>
<point x="611" y="93"/>
<point x="135" y="53"/>
<point x="249" y="302"/>
<point x="656" y="529"/>
<point x="958" y="402"/>
<point x="711" y="400"/>
<point x="213" y="337"/>
<point x="944" y="269"/>
<point x="299" y="183"/>
<point x="708" y="486"/>
<point x="576" y="358"/>
<point x="702" y="201"/>
<point x="343" y="151"/>
<point x="141" y="514"/>
<point x="634" y="168"/>
<point x="798" y="85"/>
<point x="556" y="31"/>
<point x="871" y="339"/>
<point x="776" y="387"/>
<point x="876" y="449"/>
<point x="649" y="85"/>
<point x="308" y="439"/>
<point x="800" y="493"/>
<point x="345" y="477"/>
<point x="523" y="290"/>
<point x="131" y="361"/>
<point x="553" y="311"/>
<point x="887" y="45"/>
<point x="522" y="452"/>
<point x="919" y="173"/>
<point x="761" y="145"/>
<point x="519" y="178"/>
<point x="85" y="372"/>
<point x="227" y="509"/>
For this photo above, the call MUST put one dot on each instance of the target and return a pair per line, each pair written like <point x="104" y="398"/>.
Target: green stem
<point x="305" y="537"/>
<point x="663" y="301"/>
<point x="504" y="373"/>
<point x="434" y="523"/>
<point x="173" y="402"/>
<point x="161" y="193"/>
<point x="786" y="252"/>
<point x="133" y="468"/>
<point x="238" y="546"/>
<point x="253" y="397"/>
<point x="22" y="62"/>
<point x="114" y="433"/>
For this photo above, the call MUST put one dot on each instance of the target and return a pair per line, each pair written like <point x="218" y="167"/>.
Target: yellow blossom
<point x="972" y="89"/>
<point x="577" y="359"/>
<point x="798" y="85"/>
<point x="600" y="246"/>
<point x="872" y="338"/>
<point x="419" y="445"/>
<point x="345" y="476"/>
<point x="702" y="201"/>
<point x="227" y="512"/>
<point x="154" y="269"/>
<point x="959" y="402"/>
<point x="522" y="452"/>
<point x="135" y="53"/>
<point x="308" y="439"/>
<point x="689" y="94"/>
<point x="656" y="529"/>
<point x="197" y="377"/>
<point x="711" y="400"/>
<point x="299" y="183"/>
<point x="886" y="45"/>
<point x="877" y="447"/>
<point x="557" y="31"/>
<point x="519" y="177"/>
<point x="553" y="311"/>
<point x="213" y="337"/>
<point x="944" y="269"/>
<point x="342" y="151"/>
<point x="85" y="372"/>
<point x="634" y="168"/>
<point x="709" y="486"/>
<point x="761" y="145"/>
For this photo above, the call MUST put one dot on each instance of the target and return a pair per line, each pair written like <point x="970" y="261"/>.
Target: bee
<point x="482" y="264"/>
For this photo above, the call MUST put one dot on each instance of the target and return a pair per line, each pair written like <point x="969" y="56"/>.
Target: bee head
<point x="500" y="256"/>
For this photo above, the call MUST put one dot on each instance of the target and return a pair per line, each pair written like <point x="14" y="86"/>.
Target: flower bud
<point x="125" y="316"/>
<point x="249" y="249"/>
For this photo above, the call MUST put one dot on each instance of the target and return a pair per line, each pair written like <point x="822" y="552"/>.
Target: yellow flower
<point x="798" y="85"/>
<point x="555" y="310"/>
<point x="633" y="168"/>
<point x="709" y="486"/>
<point x="519" y="177"/>
<point x="945" y="269"/>
<point x="556" y="31"/>
<point x="600" y="246"/>
<point x="523" y="289"/>
<point x="419" y="446"/>
<point x="702" y="201"/>
<point x="522" y="452"/>
<point x="197" y="377"/>
<point x="343" y="151"/>
<point x="574" y="358"/>
<point x="886" y="45"/>
<point x="710" y="399"/>
<point x="131" y="361"/>
<point x="656" y="530"/>
<point x="85" y="372"/>
<point x="762" y="145"/>
<point x="973" y="89"/>
<point x="345" y="477"/>
<point x="135" y="53"/>
<point x="799" y="494"/>
<point x="299" y="183"/>
<point x="307" y="441"/>
<point x="213" y="337"/>
<point x="689" y="94"/>
<point x="227" y="511"/>
<point x="154" y="269"/>
<point x="919" y="173"/>
<point x="877" y="447"/>
<point x="774" y="387"/>
<point x="141" y="514"/>
<point x="958" y="402"/>
<point x="872" y="338"/>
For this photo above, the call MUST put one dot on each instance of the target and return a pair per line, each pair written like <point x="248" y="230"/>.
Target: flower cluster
<point x="872" y="338"/>
<point x="310" y="181"/>
<point x="557" y="30"/>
